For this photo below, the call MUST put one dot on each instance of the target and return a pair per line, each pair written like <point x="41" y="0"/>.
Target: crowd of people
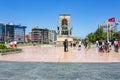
<point x="74" y="44"/>
<point x="105" y="46"/>
<point x="102" y="45"/>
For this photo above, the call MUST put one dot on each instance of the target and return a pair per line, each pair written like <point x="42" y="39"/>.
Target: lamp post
<point x="5" y="33"/>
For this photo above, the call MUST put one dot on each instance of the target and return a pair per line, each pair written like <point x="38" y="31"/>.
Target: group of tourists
<point x="105" y="46"/>
<point x="73" y="44"/>
<point x="13" y="44"/>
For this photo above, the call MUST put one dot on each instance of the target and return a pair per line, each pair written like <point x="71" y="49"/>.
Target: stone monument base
<point x="61" y="39"/>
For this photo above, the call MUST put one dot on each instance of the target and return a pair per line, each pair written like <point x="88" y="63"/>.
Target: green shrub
<point x="3" y="46"/>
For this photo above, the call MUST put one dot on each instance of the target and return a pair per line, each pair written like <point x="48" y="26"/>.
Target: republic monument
<point x="64" y="29"/>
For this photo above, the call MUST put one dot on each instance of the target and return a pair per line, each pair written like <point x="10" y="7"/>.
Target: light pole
<point x="5" y="33"/>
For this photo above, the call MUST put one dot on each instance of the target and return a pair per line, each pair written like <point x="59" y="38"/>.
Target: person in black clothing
<point x="116" y="45"/>
<point x="100" y="46"/>
<point x="100" y="43"/>
<point x="85" y="44"/>
<point x="65" y="43"/>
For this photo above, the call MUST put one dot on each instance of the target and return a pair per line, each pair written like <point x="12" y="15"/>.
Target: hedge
<point x="3" y="46"/>
<point x="8" y="51"/>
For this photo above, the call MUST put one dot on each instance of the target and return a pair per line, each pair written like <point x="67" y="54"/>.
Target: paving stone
<point x="58" y="71"/>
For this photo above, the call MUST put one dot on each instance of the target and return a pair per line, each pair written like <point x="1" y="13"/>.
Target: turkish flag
<point x="111" y="20"/>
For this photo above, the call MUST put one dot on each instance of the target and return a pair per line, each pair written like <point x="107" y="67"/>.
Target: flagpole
<point x="107" y="32"/>
<point x="109" y="20"/>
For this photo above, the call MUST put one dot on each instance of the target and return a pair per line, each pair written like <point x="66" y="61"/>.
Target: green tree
<point x="91" y="37"/>
<point x="99" y="34"/>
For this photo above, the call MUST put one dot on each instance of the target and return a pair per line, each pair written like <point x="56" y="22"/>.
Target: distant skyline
<point x="85" y="14"/>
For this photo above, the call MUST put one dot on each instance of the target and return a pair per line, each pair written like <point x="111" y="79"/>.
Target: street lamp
<point x="5" y="33"/>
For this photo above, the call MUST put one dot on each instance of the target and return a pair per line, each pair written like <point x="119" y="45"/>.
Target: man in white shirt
<point x="79" y="45"/>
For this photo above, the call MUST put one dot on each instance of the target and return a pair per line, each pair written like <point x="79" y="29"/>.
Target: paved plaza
<point x="58" y="71"/>
<point x="57" y="54"/>
<point x="52" y="63"/>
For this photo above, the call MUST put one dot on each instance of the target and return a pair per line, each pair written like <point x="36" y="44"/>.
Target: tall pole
<point x="107" y="32"/>
<point x="5" y="33"/>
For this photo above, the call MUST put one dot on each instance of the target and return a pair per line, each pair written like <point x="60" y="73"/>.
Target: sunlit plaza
<point x="52" y="53"/>
<point x="60" y="40"/>
<point x="52" y="63"/>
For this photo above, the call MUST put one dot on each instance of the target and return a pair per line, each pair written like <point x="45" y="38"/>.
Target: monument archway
<point x="64" y="22"/>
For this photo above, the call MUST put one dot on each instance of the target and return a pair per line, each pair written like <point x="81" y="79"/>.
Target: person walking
<point x="85" y="44"/>
<point x="106" y="46"/>
<point x="110" y="45"/>
<point x="97" y="44"/>
<point x="116" y="45"/>
<point x="65" y="43"/>
<point x="79" y="45"/>
<point x="100" y="46"/>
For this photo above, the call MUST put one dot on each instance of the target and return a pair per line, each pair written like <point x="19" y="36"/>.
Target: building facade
<point x="19" y="33"/>
<point x="10" y="32"/>
<point x="52" y="36"/>
<point x="2" y="33"/>
<point x="36" y="34"/>
<point x="43" y="36"/>
<point x="46" y="36"/>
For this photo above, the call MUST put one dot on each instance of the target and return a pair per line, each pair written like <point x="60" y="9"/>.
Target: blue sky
<point x="85" y="14"/>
